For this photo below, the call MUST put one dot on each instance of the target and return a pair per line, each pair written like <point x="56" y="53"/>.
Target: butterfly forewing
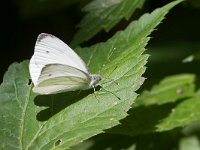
<point x="51" y="50"/>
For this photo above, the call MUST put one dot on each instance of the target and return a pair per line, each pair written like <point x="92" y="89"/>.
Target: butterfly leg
<point x="110" y="92"/>
<point x="94" y="93"/>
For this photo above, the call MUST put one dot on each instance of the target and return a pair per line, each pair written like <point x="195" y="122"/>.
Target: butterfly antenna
<point x="117" y="83"/>
<point x="111" y="53"/>
<point x="95" y="93"/>
<point x="110" y="92"/>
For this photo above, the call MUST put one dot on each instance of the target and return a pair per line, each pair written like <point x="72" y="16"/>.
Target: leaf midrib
<point x="22" y="124"/>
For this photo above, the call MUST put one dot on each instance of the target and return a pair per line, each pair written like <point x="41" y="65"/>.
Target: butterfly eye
<point x="47" y="52"/>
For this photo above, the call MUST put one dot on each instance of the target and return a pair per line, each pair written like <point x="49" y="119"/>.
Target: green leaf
<point x="17" y="111"/>
<point x="76" y="122"/>
<point x="194" y="57"/>
<point x="189" y="143"/>
<point x="104" y="14"/>
<point x="107" y="142"/>
<point x="135" y="37"/>
<point x="183" y="114"/>
<point x="65" y="119"/>
<point x="172" y="103"/>
<point x="191" y="129"/>
<point x="170" y="89"/>
<point x="154" y="141"/>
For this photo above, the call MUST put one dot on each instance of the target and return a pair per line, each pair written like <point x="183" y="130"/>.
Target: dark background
<point x="176" y="38"/>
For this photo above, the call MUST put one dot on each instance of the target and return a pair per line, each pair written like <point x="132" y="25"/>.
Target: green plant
<point x="62" y="121"/>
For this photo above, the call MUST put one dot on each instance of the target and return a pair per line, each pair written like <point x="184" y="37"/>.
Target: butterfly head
<point x="95" y="78"/>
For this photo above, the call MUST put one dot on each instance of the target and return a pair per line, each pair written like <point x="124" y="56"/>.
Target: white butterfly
<point x="56" y="68"/>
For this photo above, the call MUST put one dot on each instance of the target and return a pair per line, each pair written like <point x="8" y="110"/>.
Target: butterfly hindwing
<point x="61" y="84"/>
<point x="56" y="78"/>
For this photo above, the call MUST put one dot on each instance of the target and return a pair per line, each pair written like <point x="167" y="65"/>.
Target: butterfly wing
<point x="57" y="78"/>
<point x="51" y="50"/>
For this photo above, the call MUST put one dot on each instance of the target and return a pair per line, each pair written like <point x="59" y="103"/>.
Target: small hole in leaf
<point x="49" y="75"/>
<point x="58" y="142"/>
<point x="29" y="82"/>
<point x="179" y="91"/>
